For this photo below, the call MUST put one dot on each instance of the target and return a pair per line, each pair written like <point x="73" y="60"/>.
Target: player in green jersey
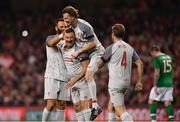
<point x="163" y="83"/>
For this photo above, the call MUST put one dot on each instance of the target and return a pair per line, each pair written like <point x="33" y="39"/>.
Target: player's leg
<point x="85" y="101"/>
<point x="152" y="104"/>
<point x="86" y="109"/>
<point x="111" y="112"/>
<point x="153" y="109"/>
<point x="92" y="87"/>
<point x="51" y="104"/>
<point x="79" y="112"/>
<point x="117" y="98"/>
<point x="169" y="110"/>
<point x="96" y="109"/>
<point x="60" y="110"/>
<point x="50" y="94"/>
<point x="90" y="76"/>
<point x="63" y="96"/>
<point x="123" y="114"/>
<point x="77" y="104"/>
<point x="168" y="97"/>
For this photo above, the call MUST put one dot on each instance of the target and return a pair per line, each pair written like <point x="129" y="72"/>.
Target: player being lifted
<point x="88" y="41"/>
<point x="55" y="77"/>
<point x="163" y="83"/>
<point x="120" y="57"/>
<point x="76" y="68"/>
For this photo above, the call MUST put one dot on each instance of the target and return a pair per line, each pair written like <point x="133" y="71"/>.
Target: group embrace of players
<point x="74" y="55"/>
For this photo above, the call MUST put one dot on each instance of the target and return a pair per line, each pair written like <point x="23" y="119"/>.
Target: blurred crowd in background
<point x="23" y="59"/>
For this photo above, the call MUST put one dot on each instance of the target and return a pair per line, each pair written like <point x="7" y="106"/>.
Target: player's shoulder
<point x="166" y="56"/>
<point x="83" y="23"/>
<point x="126" y="45"/>
<point x="111" y="45"/>
<point x="159" y="58"/>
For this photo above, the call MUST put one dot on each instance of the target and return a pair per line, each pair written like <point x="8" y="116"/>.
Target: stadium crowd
<point x="23" y="59"/>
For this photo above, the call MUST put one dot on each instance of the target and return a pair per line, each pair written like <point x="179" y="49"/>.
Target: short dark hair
<point x="71" y="11"/>
<point x="69" y="30"/>
<point x="155" y="47"/>
<point x="59" y="19"/>
<point x="118" y="30"/>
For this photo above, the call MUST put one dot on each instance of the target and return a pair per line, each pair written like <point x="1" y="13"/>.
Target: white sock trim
<point x="60" y="110"/>
<point x="153" y="114"/>
<point x="79" y="113"/>
<point x="126" y="116"/>
<point x="171" y="116"/>
<point x="45" y="109"/>
<point x="111" y="116"/>
<point x="86" y="110"/>
<point x="45" y="115"/>
<point x="93" y="90"/>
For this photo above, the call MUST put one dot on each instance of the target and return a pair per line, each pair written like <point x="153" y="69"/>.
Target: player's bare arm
<point x="100" y="64"/>
<point x="140" y="66"/>
<point x="86" y="48"/>
<point x="54" y="41"/>
<point x="78" y="77"/>
<point x="156" y="77"/>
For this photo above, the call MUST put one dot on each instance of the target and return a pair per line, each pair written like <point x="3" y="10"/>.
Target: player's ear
<point x="56" y="28"/>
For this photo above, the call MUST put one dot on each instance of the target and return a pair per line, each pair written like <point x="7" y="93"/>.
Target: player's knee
<point x="89" y="76"/>
<point x="167" y="103"/>
<point x="85" y="104"/>
<point x="77" y="107"/>
<point x="61" y="105"/>
<point x="120" y="109"/>
<point x="150" y="101"/>
<point x="51" y="105"/>
<point x="110" y="107"/>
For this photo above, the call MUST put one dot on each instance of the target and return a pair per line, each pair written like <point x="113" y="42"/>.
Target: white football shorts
<point x="117" y="96"/>
<point x="54" y="89"/>
<point x="80" y="91"/>
<point x="94" y="56"/>
<point x="164" y="94"/>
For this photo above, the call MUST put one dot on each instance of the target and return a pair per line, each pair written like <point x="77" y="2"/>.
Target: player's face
<point x="69" y="39"/>
<point x="60" y="26"/>
<point x="68" y="19"/>
<point x="153" y="53"/>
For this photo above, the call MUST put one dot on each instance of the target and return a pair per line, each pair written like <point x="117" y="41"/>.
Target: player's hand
<point x="138" y="86"/>
<point x="68" y="84"/>
<point x="75" y="54"/>
<point x="60" y="36"/>
<point x="156" y="90"/>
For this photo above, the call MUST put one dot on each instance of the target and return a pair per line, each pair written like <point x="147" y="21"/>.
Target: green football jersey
<point x="164" y="63"/>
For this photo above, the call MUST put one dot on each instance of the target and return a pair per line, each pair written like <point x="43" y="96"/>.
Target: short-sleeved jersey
<point x="55" y="66"/>
<point x="84" y="33"/>
<point x="164" y="63"/>
<point x="74" y="66"/>
<point x="119" y="57"/>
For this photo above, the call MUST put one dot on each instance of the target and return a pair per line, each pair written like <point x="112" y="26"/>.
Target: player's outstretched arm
<point x="70" y="83"/>
<point x="86" y="48"/>
<point x="54" y="41"/>
<point x="140" y="67"/>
